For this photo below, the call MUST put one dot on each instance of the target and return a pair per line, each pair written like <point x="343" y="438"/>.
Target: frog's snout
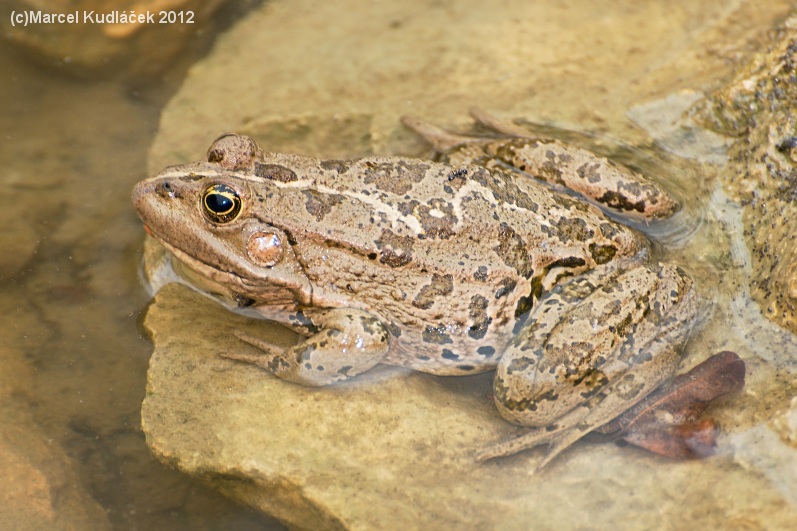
<point x="152" y="201"/>
<point x="146" y="194"/>
<point x="140" y="192"/>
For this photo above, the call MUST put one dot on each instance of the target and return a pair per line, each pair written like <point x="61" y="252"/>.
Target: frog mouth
<point x="231" y="281"/>
<point x="216" y="273"/>
<point x="178" y="253"/>
<point x="181" y="255"/>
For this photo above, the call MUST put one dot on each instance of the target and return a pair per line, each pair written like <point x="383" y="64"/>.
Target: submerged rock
<point x="759" y="109"/>
<point x="99" y="37"/>
<point x="785" y="424"/>
<point x="39" y="487"/>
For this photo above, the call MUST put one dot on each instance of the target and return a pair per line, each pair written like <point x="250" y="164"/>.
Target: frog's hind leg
<point x="599" y="180"/>
<point x="441" y="140"/>
<point x="587" y="417"/>
<point x="348" y="343"/>
<point x="498" y="125"/>
<point x="662" y="303"/>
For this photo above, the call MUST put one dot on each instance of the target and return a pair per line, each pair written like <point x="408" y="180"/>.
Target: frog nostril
<point x="166" y="190"/>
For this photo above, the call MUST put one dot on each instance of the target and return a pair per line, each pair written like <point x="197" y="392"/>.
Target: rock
<point x="18" y="240"/>
<point x="297" y="92"/>
<point x="394" y="448"/>
<point x="771" y="450"/>
<point x="38" y="487"/>
<point x="759" y="109"/>
<point x="784" y="424"/>
<point x="668" y="122"/>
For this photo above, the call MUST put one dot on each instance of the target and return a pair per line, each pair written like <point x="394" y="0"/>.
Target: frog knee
<point x="518" y="402"/>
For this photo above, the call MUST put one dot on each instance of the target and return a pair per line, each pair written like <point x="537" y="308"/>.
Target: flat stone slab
<point x="395" y="448"/>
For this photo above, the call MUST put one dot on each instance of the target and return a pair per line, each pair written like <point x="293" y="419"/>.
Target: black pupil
<point x="221" y="203"/>
<point x="218" y="203"/>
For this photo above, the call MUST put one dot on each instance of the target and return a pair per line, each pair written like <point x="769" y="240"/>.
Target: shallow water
<point x="72" y="301"/>
<point x="71" y="298"/>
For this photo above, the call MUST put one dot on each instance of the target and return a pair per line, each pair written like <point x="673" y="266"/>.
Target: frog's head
<point x="207" y="214"/>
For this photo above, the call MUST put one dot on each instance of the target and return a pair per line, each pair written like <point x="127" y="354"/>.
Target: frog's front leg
<point x="347" y="343"/>
<point x="591" y="349"/>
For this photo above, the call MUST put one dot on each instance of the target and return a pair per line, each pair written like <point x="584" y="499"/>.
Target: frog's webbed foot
<point x="444" y="141"/>
<point x="558" y="437"/>
<point x="348" y="343"/>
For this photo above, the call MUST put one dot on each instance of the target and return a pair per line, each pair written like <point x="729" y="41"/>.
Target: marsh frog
<point x="475" y="263"/>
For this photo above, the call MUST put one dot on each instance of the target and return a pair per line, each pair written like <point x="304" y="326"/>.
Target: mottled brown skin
<point x="565" y="167"/>
<point x="450" y="276"/>
<point x="449" y="269"/>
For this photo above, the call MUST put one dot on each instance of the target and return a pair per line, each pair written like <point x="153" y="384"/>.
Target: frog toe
<point x="498" y="125"/>
<point x="510" y="446"/>
<point x="558" y="440"/>
<point x="442" y="140"/>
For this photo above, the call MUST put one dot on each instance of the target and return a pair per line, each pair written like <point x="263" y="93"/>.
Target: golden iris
<point x="221" y="203"/>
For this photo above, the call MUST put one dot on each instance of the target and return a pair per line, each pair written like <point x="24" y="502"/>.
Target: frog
<point x="502" y="254"/>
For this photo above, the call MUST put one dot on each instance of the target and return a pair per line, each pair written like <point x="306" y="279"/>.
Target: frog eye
<point x="220" y="203"/>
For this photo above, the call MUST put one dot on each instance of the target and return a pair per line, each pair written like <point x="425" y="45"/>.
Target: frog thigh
<point x="577" y="423"/>
<point x="591" y="349"/>
<point x="587" y="334"/>
<point x="348" y="343"/>
<point x="528" y="385"/>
